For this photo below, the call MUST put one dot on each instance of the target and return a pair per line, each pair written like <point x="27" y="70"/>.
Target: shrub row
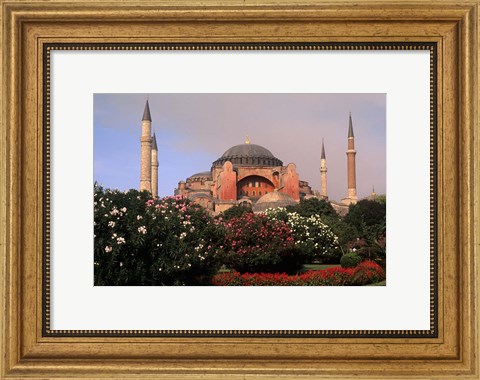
<point x="365" y="273"/>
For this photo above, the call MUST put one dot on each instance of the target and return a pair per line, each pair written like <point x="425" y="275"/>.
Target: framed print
<point x="201" y="189"/>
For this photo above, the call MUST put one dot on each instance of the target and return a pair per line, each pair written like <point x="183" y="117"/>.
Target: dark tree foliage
<point x="350" y="260"/>
<point x="368" y="218"/>
<point x="366" y="214"/>
<point x="236" y="211"/>
<point x="315" y="206"/>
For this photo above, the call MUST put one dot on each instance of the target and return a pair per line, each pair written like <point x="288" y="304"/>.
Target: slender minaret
<point x="323" y="172"/>
<point x="146" y="151"/>
<point x="154" y="166"/>
<point x="352" y="181"/>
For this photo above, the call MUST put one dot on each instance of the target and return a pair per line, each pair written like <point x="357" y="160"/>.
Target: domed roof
<point x="250" y="150"/>
<point x="248" y="155"/>
<point x="272" y="200"/>
<point x="202" y="175"/>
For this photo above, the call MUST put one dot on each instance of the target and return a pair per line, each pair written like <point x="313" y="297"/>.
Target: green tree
<point x="236" y="211"/>
<point x="368" y="218"/>
<point x="315" y="206"/>
<point x="366" y="214"/>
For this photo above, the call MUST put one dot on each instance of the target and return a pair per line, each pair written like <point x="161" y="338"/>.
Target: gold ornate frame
<point x="29" y="26"/>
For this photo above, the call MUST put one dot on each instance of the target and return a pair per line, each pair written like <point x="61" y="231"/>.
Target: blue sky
<point x="193" y="130"/>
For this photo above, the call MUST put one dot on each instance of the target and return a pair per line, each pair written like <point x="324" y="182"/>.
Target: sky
<point x="193" y="130"/>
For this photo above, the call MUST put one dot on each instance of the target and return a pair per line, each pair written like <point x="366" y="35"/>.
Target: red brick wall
<point x="290" y="182"/>
<point x="227" y="183"/>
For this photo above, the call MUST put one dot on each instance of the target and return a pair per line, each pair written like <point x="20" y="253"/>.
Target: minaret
<point x="352" y="181"/>
<point x="323" y="172"/>
<point x="154" y="166"/>
<point x="146" y="151"/>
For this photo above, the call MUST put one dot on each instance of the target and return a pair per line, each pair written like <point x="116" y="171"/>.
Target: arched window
<point x="253" y="193"/>
<point x="257" y="184"/>
<point x="246" y="193"/>
<point x="259" y="193"/>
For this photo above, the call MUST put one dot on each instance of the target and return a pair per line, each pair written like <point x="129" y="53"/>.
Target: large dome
<point x="273" y="199"/>
<point x="248" y="155"/>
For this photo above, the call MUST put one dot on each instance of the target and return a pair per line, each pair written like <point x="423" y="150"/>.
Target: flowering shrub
<point x="144" y="241"/>
<point x="350" y="260"/>
<point x="365" y="273"/>
<point x="256" y="243"/>
<point x="313" y="237"/>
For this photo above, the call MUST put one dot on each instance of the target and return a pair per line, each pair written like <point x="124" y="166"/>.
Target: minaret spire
<point x="154" y="142"/>
<point x="146" y="112"/>
<point x="323" y="172"/>
<point x="350" y="126"/>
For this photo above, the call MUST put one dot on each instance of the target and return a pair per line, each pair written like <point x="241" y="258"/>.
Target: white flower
<point x="111" y="224"/>
<point x="183" y="235"/>
<point x="139" y="217"/>
<point x="142" y="230"/>
<point x="121" y="264"/>
<point x="123" y="209"/>
<point x="108" y="249"/>
<point x="120" y="240"/>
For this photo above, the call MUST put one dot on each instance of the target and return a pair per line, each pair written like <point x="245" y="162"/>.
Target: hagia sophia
<point x="245" y="174"/>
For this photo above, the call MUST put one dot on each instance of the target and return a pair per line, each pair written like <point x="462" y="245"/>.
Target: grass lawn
<point x="307" y="267"/>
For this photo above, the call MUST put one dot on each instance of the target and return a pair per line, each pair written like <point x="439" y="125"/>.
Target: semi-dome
<point x="202" y="175"/>
<point x="272" y="200"/>
<point x="248" y="155"/>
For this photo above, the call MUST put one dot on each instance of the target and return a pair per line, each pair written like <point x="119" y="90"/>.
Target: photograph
<point x="275" y="189"/>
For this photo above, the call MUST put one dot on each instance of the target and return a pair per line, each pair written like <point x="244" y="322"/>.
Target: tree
<point x="366" y="214"/>
<point x="369" y="219"/>
<point x="236" y="211"/>
<point x="315" y="206"/>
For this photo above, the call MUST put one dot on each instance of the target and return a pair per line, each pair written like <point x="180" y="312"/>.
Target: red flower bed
<point x="366" y="272"/>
